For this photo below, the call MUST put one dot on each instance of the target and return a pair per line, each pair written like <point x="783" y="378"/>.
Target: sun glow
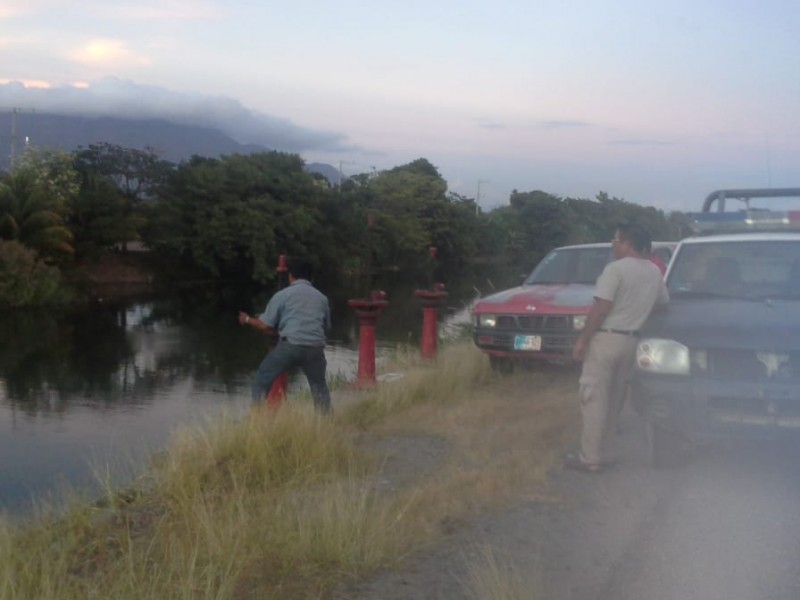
<point x="108" y="52"/>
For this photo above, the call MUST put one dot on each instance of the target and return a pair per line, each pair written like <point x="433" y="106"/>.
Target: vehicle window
<point x="664" y="253"/>
<point x="756" y="269"/>
<point x="576" y="265"/>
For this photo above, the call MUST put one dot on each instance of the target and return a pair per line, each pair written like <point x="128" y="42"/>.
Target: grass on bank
<point x="286" y="504"/>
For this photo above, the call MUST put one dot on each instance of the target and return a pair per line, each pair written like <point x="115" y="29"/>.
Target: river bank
<point x="290" y="505"/>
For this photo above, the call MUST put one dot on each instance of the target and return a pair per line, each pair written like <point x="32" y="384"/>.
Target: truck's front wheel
<point x="501" y="364"/>
<point x="661" y="445"/>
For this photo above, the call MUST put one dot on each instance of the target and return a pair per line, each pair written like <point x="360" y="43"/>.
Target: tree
<point x="115" y="184"/>
<point x="33" y="203"/>
<point x="24" y="279"/>
<point x="136" y="173"/>
<point x="100" y="216"/>
<point x="539" y="222"/>
<point x="232" y="217"/>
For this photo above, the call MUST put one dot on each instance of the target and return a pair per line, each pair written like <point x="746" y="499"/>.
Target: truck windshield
<point x="571" y="265"/>
<point x="750" y="269"/>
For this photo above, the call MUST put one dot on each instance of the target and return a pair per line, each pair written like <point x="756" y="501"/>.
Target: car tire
<point x="661" y="445"/>
<point x="501" y="364"/>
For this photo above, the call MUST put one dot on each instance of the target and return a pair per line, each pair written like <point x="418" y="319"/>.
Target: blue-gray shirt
<point x="300" y="313"/>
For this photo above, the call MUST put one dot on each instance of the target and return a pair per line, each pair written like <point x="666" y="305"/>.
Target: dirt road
<point x="725" y="525"/>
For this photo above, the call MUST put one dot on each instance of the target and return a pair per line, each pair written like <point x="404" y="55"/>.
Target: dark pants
<point x="286" y="356"/>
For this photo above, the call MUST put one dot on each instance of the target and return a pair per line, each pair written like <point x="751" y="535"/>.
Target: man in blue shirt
<point x="300" y="315"/>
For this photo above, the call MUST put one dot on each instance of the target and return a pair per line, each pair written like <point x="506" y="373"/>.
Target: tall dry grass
<point x="236" y="510"/>
<point x="458" y="370"/>
<point x="286" y="504"/>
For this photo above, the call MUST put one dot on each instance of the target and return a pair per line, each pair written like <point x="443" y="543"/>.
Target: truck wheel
<point x="661" y="445"/>
<point x="501" y="364"/>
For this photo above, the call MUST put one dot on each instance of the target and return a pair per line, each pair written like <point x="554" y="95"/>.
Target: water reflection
<point x="109" y="384"/>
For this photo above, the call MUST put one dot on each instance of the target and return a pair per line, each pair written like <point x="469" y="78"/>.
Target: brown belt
<point x="630" y="332"/>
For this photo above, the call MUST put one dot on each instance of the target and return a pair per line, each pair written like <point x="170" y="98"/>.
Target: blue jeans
<point x="284" y="357"/>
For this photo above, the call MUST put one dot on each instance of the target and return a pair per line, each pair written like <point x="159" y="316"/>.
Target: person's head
<point x="631" y="240"/>
<point x="299" y="268"/>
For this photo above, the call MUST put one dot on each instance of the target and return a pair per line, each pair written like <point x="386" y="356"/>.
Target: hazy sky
<point x="655" y="102"/>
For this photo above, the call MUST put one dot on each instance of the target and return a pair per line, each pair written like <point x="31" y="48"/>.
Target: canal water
<point x="98" y="390"/>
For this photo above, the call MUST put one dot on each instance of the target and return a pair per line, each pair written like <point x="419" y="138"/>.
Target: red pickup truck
<point x="540" y="319"/>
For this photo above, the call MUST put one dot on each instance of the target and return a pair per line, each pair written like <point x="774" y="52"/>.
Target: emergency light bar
<point x="745" y="220"/>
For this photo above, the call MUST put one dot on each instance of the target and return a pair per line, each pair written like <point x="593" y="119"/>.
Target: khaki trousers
<point x="603" y="384"/>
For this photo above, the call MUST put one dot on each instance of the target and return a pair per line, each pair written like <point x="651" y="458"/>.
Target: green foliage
<point x="52" y="172"/>
<point x="135" y="173"/>
<point x="101" y="217"/>
<point x="411" y="210"/>
<point x="25" y="280"/>
<point x="230" y="218"/>
<point x="114" y="184"/>
<point x="34" y="199"/>
<point x="536" y="222"/>
<point x="233" y="216"/>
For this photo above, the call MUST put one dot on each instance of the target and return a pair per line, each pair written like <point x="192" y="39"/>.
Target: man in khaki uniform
<point x="628" y="290"/>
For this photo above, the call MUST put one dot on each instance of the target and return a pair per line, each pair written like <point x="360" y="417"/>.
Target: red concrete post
<point x="431" y="300"/>
<point x="277" y="392"/>
<point x="368" y="312"/>
<point x="429" y="332"/>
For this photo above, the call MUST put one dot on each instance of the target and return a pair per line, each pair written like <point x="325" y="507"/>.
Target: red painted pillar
<point x="431" y="300"/>
<point x="368" y="312"/>
<point x="277" y="392"/>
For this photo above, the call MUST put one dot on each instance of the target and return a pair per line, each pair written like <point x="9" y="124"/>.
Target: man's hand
<point x="594" y="320"/>
<point x="579" y="349"/>
<point x="256" y="323"/>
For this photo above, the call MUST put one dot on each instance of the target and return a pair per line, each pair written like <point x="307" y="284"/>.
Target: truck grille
<point x="745" y="365"/>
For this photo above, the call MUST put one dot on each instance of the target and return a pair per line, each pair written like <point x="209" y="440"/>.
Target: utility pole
<point x="13" y="153"/>
<point x="478" y="196"/>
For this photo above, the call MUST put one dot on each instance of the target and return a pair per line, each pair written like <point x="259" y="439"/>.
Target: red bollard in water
<point x="431" y="301"/>
<point x="277" y="393"/>
<point x="368" y="312"/>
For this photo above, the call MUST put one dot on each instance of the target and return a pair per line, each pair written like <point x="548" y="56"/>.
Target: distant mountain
<point x="171" y="141"/>
<point x="329" y="172"/>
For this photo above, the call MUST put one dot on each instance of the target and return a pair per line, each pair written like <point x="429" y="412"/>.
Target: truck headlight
<point x="487" y="320"/>
<point x="662" y="356"/>
<point x="579" y="321"/>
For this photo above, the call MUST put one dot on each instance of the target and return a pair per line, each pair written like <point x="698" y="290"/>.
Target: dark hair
<point x="299" y="268"/>
<point x="637" y="235"/>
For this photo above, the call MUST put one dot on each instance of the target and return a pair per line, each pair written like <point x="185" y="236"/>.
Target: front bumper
<point x="554" y="345"/>
<point x="699" y="407"/>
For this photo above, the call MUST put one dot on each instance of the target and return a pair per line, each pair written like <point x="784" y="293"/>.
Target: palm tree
<point x="29" y="215"/>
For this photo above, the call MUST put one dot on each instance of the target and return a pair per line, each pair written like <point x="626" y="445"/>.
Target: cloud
<point x="7" y="11"/>
<point x="180" y="10"/>
<point x="641" y="142"/>
<point x="112" y="97"/>
<point x="108" y="53"/>
<point x="31" y="83"/>
<point x="490" y="125"/>
<point x="563" y="123"/>
<point x="14" y="8"/>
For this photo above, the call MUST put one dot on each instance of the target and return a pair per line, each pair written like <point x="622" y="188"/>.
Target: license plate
<point x="527" y="342"/>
